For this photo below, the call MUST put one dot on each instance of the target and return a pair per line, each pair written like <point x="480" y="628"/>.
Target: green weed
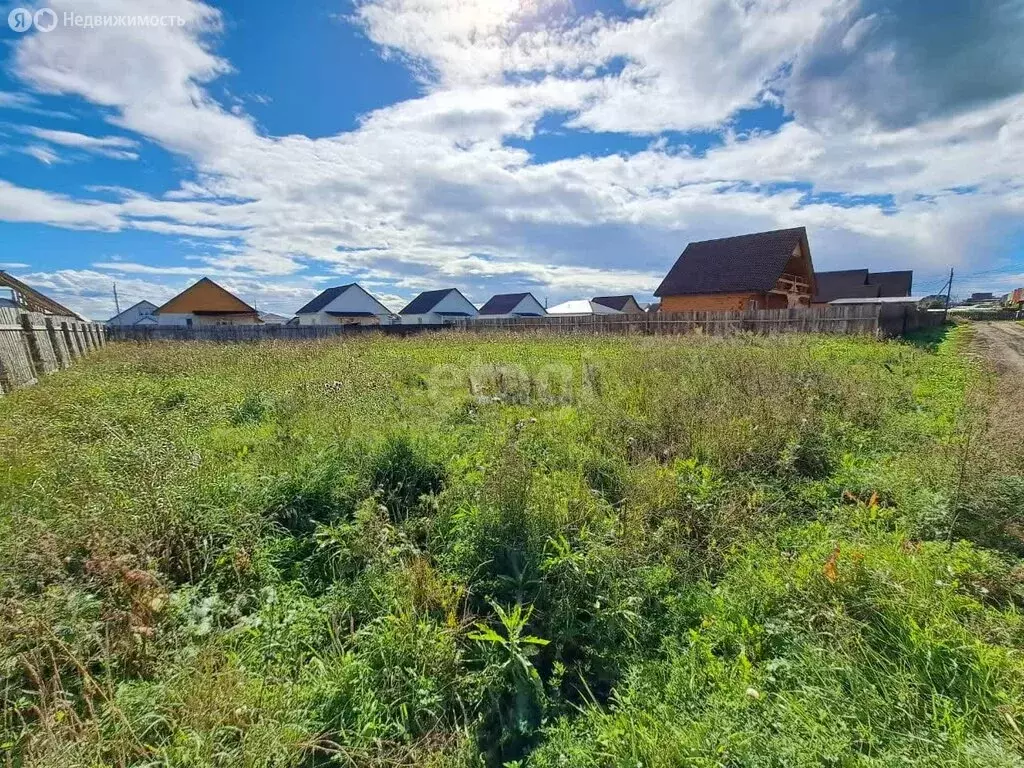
<point x="513" y="550"/>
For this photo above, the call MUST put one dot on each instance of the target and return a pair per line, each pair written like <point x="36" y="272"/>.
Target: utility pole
<point x="949" y="293"/>
<point x="117" y="304"/>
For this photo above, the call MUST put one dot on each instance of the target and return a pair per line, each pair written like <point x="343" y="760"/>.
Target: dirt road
<point x="1003" y="344"/>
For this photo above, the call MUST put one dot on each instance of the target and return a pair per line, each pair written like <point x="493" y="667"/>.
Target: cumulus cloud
<point x="893" y="63"/>
<point x="431" y="191"/>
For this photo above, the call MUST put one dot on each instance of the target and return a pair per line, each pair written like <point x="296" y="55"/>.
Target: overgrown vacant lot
<point x="457" y="551"/>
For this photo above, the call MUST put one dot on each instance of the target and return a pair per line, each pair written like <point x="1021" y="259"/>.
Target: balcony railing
<point x="792" y="284"/>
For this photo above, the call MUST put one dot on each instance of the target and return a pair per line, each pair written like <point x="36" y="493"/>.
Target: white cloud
<point x="427" y="192"/>
<point x="41" y="153"/>
<point x="118" y="147"/>
<point x="36" y="206"/>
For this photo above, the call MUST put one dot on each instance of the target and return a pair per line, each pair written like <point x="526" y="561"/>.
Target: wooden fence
<point x="33" y="344"/>
<point x="875" y="320"/>
<point x="232" y="333"/>
<point x="849" y="319"/>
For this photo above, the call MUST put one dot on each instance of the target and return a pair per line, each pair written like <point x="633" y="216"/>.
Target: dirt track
<point x="1003" y="344"/>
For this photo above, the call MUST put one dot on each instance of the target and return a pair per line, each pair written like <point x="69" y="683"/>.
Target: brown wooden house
<point x="206" y="303"/>
<point x="764" y="270"/>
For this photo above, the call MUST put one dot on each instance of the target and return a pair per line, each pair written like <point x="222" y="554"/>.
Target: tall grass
<point x="458" y="551"/>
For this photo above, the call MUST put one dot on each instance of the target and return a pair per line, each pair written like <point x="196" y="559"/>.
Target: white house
<point x="512" y="305"/>
<point x="345" y="305"/>
<point x="437" y="307"/>
<point x="580" y="308"/>
<point x="269" y="318"/>
<point x="136" y="314"/>
<point x="627" y="304"/>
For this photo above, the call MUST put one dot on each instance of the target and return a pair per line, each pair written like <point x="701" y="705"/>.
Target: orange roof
<point x="205" y="296"/>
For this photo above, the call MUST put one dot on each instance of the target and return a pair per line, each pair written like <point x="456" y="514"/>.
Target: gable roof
<point x="205" y="297"/>
<point x="324" y="298"/>
<point x="330" y="294"/>
<point x="427" y="300"/>
<point x="753" y="262"/>
<point x="503" y="303"/>
<point x="861" y="284"/>
<point x="28" y="297"/>
<point x="146" y="304"/>
<point x="896" y="284"/>
<point x="843" y="284"/>
<point x="614" y="302"/>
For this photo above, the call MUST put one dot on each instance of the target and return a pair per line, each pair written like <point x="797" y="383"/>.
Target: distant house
<point x="512" y="305"/>
<point x="269" y="318"/>
<point x="895" y="285"/>
<point x="626" y="304"/>
<point x="764" y="270"/>
<point x="206" y="303"/>
<point x="582" y="308"/>
<point x="980" y="298"/>
<point x="437" y="307"/>
<point x="137" y="314"/>
<point x="345" y="305"/>
<point x="861" y="284"/>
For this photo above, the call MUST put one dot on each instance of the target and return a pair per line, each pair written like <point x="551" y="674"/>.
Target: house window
<point x="751" y="303"/>
<point x="188" y="322"/>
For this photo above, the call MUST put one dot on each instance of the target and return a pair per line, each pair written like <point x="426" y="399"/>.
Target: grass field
<point x="462" y="551"/>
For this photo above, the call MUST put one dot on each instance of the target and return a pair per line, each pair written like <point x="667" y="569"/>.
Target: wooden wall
<point x="33" y="345"/>
<point x="710" y="302"/>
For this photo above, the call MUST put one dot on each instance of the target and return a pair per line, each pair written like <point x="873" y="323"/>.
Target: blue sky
<point x="568" y="148"/>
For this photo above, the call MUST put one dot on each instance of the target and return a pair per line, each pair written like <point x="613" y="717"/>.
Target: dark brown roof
<point x="843" y="284"/>
<point x="752" y="262"/>
<point x="892" y="283"/>
<point x="425" y="302"/>
<point x="502" y="303"/>
<point x="613" y="302"/>
<point x="323" y="299"/>
<point x="861" y="284"/>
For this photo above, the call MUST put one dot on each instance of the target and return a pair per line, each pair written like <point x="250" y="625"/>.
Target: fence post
<point x="60" y="351"/>
<point x="69" y="341"/>
<point x="35" y="355"/>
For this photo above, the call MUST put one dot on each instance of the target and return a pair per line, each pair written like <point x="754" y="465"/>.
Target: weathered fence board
<point x="233" y="333"/>
<point x="857" y="319"/>
<point x="15" y="363"/>
<point x="869" y="319"/>
<point x="37" y="339"/>
<point x="844" y="319"/>
<point x="58" y="341"/>
<point x="33" y="344"/>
